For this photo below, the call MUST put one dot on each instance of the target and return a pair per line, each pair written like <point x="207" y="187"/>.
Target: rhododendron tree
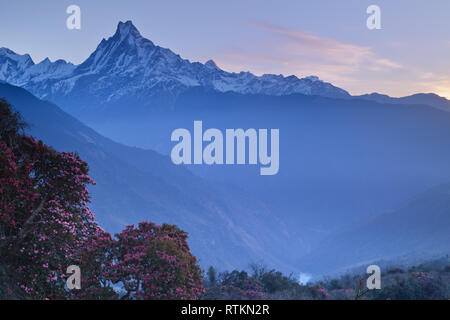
<point x="46" y="226"/>
<point x="44" y="217"/>
<point x="95" y="260"/>
<point x="240" y="286"/>
<point x="154" y="262"/>
<point x="44" y="214"/>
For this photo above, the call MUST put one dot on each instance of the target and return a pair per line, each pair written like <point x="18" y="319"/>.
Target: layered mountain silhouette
<point x="228" y="228"/>
<point x="420" y="227"/>
<point x="128" y="65"/>
<point x="343" y="159"/>
<point x="430" y="99"/>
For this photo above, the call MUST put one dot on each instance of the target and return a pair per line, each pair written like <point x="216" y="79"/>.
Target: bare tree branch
<point x="25" y="230"/>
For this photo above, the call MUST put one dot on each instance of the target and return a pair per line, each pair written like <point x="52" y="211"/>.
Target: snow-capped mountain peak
<point x="127" y="65"/>
<point x="13" y="65"/>
<point x="22" y="71"/>
<point x="125" y="29"/>
<point x="122" y="52"/>
<point x="23" y="60"/>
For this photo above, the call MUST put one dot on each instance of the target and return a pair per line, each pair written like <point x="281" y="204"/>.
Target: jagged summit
<point x="24" y="59"/>
<point x="313" y="78"/>
<point x="46" y="61"/>
<point x="127" y="28"/>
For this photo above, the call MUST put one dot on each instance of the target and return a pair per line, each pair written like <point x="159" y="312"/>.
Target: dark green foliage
<point x="11" y="123"/>
<point x="428" y="281"/>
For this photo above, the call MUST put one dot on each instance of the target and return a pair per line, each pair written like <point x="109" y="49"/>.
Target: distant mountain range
<point x="343" y="158"/>
<point x="127" y="64"/>
<point x="21" y="70"/>
<point x="429" y="99"/>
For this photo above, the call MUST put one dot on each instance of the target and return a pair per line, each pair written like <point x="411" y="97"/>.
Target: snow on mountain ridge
<point x="20" y="70"/>
<point x="211" y="64"/>
<point x="129" y="64"/>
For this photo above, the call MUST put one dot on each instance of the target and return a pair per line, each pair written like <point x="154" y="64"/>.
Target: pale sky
<point x="327" y="38"/>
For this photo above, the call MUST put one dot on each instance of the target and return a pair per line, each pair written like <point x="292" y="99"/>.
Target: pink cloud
<point x="356" y="68"/>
